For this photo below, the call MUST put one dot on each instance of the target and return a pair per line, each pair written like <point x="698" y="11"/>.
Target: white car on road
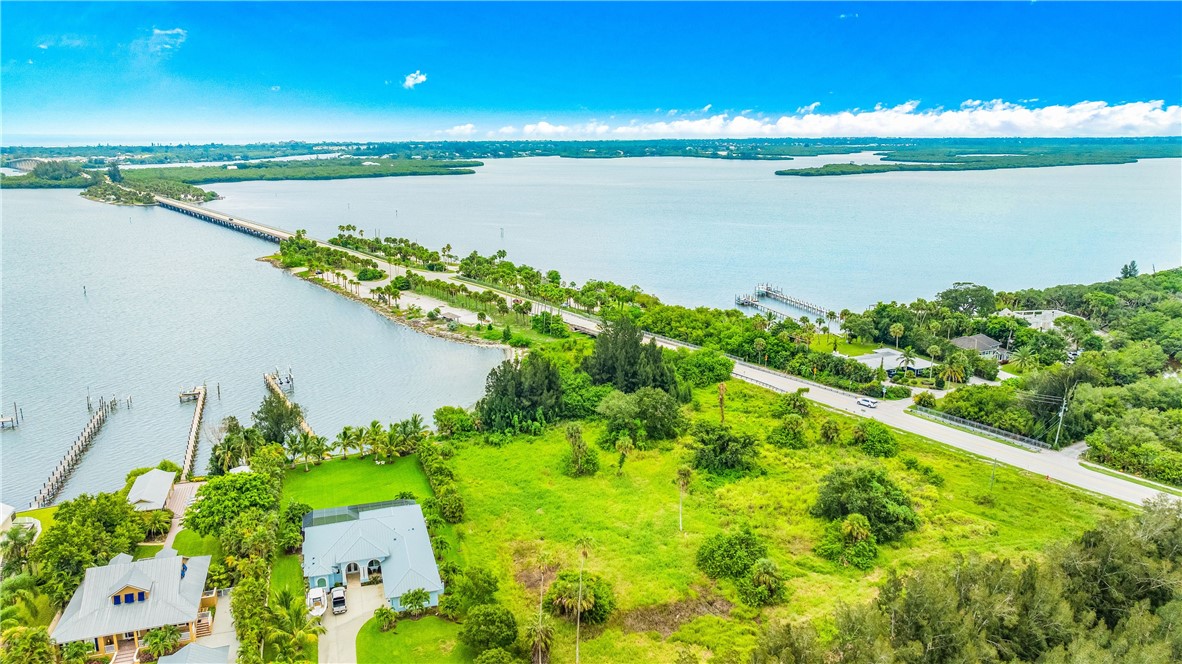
<point x="868" y="402"/>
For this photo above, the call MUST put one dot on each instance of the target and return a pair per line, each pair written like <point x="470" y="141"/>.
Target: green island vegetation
<point x="989" y="154"/>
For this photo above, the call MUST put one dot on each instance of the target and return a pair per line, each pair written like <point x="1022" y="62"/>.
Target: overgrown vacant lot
<point x="520" y="505"/>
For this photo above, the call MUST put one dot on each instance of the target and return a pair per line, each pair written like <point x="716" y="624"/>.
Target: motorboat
<point x="317" y="601"/>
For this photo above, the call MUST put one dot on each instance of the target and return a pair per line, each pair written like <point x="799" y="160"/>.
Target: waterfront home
<point x="1039" y="319"/>
<point x="361" y="543"/>
<point x="7" y="512"/>
<point x="892" y="361"/>
<point x="121" y="601"/>
<point x="151" y="490"/>
<point x="195" y="653"/>
<point x="983" y="346"/>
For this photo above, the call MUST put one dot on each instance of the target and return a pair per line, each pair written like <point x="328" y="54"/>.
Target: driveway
<point x="339" y="642"/>
<point x="177" y="502"/>
<point x="223" y="629"/>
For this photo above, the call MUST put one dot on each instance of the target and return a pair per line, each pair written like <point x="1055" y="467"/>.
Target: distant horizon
<point x="437" y="140"/>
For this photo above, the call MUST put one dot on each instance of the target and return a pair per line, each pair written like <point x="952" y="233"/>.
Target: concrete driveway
<point x="223" y="629"/>
<point x="338" y="645"/>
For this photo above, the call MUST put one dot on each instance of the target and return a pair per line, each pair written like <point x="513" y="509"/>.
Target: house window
<point x="140" y="596"/>
<point x="128" y="598"/>
<point x="118" y="600"/>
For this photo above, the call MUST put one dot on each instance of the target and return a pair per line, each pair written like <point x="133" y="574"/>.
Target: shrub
<point x="453" y="421"/>
<point x="875" y="439"/>
<point x="849" y="542"/>
<point x="720" y="450"/>
<point x="730" y="555"/>
<point x="703" y="367"/>
<point x="762" y="585"/>
<point x="831" y="431"/>
<point x="925" y="399"/>
<point x="870" y="492"/>
<point x="792" y="403"/>
<point x="386" y="617"/>
<point x="496" y="656"/>
<point x="934" y="478"/>
<point x="488" y="626"/>
<point x="370" y="274"/>
<point x="789" y="433"/>
<point x="562" y="599"/>
<point x="580" y="459"/>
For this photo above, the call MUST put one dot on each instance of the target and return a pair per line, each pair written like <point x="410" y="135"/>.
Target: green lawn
<point x="189" y="543"/>
<point x="823" y="343"/>
<point x="339" y="483"/>
<point x="518" y="503"/>
<point x="286" y="572"/>
<point x="44" y="515"/>
<point x="428" y="639"/>
<point x="147" y="550"/>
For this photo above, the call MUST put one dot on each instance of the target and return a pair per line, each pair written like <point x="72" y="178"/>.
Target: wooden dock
<point x="774" y="292"/>
<point x="197" y="393"/>
<point x="274" y="382"/>
<point x="61" y="473"/>
<point x="752" y="302"/>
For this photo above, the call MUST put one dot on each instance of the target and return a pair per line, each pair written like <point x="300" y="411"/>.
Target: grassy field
<point x="428" y="639"/>
<point x="520" y="505"/>
<point x="339" y="483"/>
<point x="189" y="543"/>
<point x="823" y="343"/>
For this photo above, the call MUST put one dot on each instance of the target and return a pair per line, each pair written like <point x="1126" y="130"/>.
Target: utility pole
<point x="1062" y="411"/>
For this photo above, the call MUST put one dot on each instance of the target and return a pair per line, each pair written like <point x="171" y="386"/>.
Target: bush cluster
<point x="442" y="480"/>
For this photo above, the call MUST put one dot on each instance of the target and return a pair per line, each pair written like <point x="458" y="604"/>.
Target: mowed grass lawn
<point x="428" y="639"/>
<point x="340" y="482"/>
<point x="519" y="504"/>
<point x="189" y="543"/>
<point x="823" y="343"/>
<point x="44" y="515"/>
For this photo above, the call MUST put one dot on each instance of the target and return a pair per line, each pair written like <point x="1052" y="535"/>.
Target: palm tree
<point x="157" y="522"/>
<point x="374" y="435"/>
<point x="952" y="371"/>
<point x="1025" y="359"/>
<point x="907" y="360"/>
<point x="624" y="446"/>
<point x="162" y="640"/>
<point x="684" y="475"/>
<point x="14" y="548"/>
<point x="344" y="441"/>
<point x="766" y="573"/>
<point x="292" y="628"/>
<point x="896" y="330"/>
<point x="357" y="438"/>
<point x="540" y="636"/>
<point x="292" y="445"/>
<point x="584" y="544"/>
<point x="18" y="601"/>
<point x="414" y="601"/>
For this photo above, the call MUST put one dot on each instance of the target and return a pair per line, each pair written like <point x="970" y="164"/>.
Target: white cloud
<point x="845" y="16"/>
<point x="507" y="130"/>
<point x="414" y="79"/>
<point x="994" y="118"/>
<point x="461" y="130"/>
<point x="274" y="88"/>
<point x="63" y="41"/>
<point x="163" y="41"/>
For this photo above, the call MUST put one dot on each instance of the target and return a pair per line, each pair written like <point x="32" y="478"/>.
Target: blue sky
<point x="234" y="71"/>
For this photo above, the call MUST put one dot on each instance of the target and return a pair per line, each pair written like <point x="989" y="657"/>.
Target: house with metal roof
<point x="121" y="601"/>
<point x="982" y="345"/>
<point x="151" y="490"/>
<point x="359" y="542"/>
<point x="891" y="361"/>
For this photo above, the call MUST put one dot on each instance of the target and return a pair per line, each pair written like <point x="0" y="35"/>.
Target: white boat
<point x="317" y="601"/>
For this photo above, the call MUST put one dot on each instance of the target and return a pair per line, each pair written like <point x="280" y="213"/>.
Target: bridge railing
<point x="993" y="432"/>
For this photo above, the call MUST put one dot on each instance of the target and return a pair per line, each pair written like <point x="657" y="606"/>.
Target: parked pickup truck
<point x="338" y="601"/>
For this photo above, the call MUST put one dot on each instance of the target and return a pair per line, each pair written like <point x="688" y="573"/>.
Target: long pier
<point x="273" y="383"/>
<point x="774" y="292"/>
<point x="61" y="472"/>
<point x="199" y="393"/>
<point x="241" y="225"/>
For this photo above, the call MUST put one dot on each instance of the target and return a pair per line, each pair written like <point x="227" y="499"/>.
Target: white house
<point x="151" y="490"/>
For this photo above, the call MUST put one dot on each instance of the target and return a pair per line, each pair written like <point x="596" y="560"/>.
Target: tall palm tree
<point x="684" y="475"/>
<point x="896" y="330"/>
<point x="291" y="628"/>
<point x="375" y="435"/>
<point x="541" y="637"/>
<point x="584" y="543"/>
<point x="18" y="601"/>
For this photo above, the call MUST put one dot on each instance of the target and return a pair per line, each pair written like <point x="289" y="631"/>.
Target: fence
<point x="994" y="432"/>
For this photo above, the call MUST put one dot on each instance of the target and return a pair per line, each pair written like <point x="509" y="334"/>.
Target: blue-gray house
<point x="356" y="542"/>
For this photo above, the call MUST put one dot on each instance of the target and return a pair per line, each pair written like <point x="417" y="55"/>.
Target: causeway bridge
<point x="234" y="223"/>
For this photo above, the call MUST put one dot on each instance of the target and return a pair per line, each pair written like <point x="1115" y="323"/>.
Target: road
<point x="1058" y="466"/>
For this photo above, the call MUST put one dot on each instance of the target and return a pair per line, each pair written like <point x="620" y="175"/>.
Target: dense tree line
<point x="1111" y="595"/>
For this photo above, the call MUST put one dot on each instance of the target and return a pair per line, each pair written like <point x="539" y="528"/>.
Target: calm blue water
<point x="699" y="231"/>
<point x="171" y="302"/>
